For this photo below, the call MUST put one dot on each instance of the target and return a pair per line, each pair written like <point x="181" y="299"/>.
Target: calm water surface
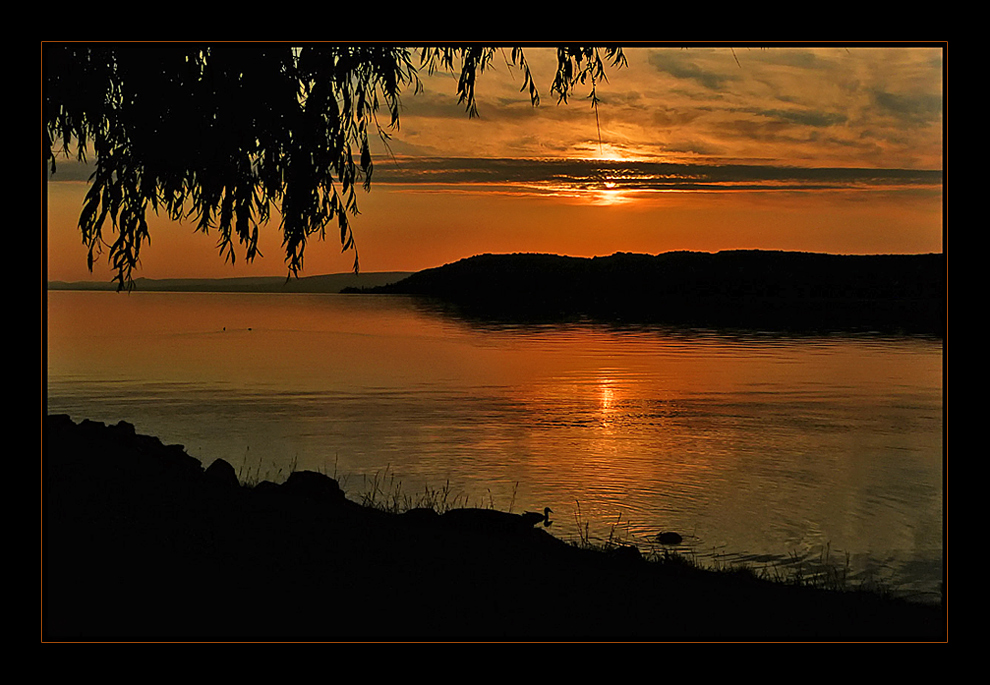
<point x="770" y="450"/>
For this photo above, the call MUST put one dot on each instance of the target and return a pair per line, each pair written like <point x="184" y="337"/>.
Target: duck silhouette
<point x="496" y="521"/>
<point x="534" y="517"/>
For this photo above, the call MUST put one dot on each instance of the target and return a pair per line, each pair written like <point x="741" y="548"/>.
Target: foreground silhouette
<point x="140" y="542"/>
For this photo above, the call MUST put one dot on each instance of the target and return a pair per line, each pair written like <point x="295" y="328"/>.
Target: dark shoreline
<point x="743" y="289"/>
<point x="139" y="542"/>
<point x="328" y="283"/>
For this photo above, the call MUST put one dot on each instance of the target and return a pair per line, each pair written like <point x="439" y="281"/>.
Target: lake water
<point x="775" y="451"/>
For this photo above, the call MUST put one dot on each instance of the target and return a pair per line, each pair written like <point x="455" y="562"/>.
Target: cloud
<point x="669" y="117"/>
<point x="813" y="118"/>
<point x="553" y="176"/>
<point x="913" y="108"/>
<point x="70" y="169"/>
<point x="799" y="58"/>
<point x="684" y="67"/>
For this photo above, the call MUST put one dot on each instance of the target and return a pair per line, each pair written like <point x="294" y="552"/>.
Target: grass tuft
<point x="384" y="492"/>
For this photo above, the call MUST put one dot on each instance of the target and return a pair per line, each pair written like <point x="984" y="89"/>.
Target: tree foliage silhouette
<point x="222" y="134"/>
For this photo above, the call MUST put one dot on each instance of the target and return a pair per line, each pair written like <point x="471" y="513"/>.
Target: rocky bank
<point x="140" y="542"/>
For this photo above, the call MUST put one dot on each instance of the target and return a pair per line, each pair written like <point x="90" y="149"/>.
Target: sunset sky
<point x="793" y="148"/>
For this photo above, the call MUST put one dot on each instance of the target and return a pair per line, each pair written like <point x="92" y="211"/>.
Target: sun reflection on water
<point x="606" y="404"/>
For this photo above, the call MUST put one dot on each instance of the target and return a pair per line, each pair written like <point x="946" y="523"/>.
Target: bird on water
<point x="534" y="517"/>
<point x="494" y="520"/>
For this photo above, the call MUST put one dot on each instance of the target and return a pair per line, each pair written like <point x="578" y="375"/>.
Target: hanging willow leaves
<point x="223" y="134"/>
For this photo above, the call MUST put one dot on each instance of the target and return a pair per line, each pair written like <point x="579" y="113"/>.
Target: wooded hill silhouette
<point x="745" y="288"/>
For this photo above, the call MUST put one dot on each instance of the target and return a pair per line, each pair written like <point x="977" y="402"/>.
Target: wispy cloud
<point x="917" y="109"/>
<point x="687" y="67"/>
<point x="856" y="107"/>
<point x="564" y="176"/>
<point x="553" y="176"/>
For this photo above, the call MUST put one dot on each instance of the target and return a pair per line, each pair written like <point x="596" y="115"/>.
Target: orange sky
<point x="700" y="152"/>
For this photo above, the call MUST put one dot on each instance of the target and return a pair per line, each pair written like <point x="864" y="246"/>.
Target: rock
<point x="420" y="515"/>
<point x="627" y="553"/>
<point x="223" y="474"/>
<point x="314" y="485"/>
<point x="59" y="422"/>
<point x="265" y="487"/>
<point x="126" y="428"/>
<point x="176" y="462"/>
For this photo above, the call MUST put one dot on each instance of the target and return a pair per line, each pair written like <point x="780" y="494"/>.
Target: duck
<point x="669" y="538"/>
<point x="534" y="517"/>
<point x="496" y="521"/>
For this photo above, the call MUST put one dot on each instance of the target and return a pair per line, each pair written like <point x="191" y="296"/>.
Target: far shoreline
<point x="739" y="289"/>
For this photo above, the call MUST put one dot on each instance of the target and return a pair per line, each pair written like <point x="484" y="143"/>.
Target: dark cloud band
<point x="645" y="176"/>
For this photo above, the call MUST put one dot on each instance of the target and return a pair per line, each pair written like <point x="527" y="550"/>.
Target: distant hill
<point x="745" y="288"/>
<point x="330" y="283"/>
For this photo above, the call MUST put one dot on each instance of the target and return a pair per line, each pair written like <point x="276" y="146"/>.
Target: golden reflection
<point x="606" y="401"/>
<point x="607" y="394"/>
<point x="610" y="196"/>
